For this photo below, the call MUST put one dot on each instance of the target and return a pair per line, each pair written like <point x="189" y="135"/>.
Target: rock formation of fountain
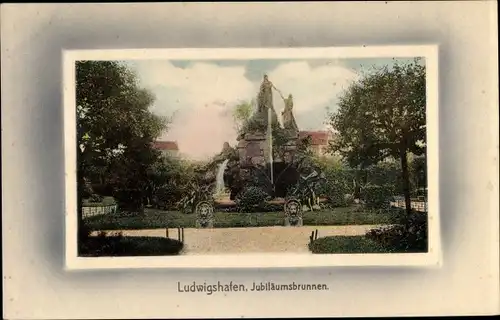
<point x="255" y="147"/>
<point x="219" y="182"/>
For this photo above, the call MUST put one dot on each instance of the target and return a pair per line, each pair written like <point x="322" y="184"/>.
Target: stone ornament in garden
<point x="204" y="215"/>
<point x="293" y="213"/>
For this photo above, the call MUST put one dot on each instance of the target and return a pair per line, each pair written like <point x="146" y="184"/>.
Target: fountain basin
<point x="227" y="203"/>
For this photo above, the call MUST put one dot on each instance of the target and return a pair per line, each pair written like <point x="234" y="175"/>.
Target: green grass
<point x="347" y="216"/>
<point x="346" y="244"/>
<point x="153" y="219"/>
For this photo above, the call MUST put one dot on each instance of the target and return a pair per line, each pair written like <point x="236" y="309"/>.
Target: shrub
<point x="108" y="201"/>
<point x="349" y="199"/>
<point x="83" y="233"/>
<point x="385" y="173"/>
<point x="95" y="198"/>
<point x="412" y="236"/>
<point x="167" y="197"/>
<point x="270" y="207"/>
<point x="263" y="207"/>
<point x="335" y="191"/>
<point x="102" y="189"/>
<point x="87" y="190"/>
<point x="377" y="196"/>
<point x="195" y="194"/>
<point x="337" y="184"/>
<point x="345" y="244"/>
<point x="119" y="245"/>
<point x="251" y="198"/>
<point x="337" y="195"/>
<point x="98" y="201"/>
<point x="129" y="199"/>
<point x="418" y="174"/>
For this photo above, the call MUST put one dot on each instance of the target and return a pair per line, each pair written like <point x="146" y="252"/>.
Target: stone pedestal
<point x="200" y="224"/>
<point x="252" y="149"/>
<point x="289" y="223"/>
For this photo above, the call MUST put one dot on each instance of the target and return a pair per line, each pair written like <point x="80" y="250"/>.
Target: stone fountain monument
<point x="254" y="145"/>
<point x="255" y="152"/>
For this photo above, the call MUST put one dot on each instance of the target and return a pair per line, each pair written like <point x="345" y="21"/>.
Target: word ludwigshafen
<point x="210" y="288"/>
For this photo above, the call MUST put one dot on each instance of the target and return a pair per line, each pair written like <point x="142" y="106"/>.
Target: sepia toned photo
<point x="305" y="153"/>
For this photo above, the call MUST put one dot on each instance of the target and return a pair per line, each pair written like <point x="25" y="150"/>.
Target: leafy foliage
<point x="129" y="176"/>
<point x="169" y="180"/>
<point x="195" y="194"/>
<point x="381" y="115"/>
<point x="115" y="130"/>
<point x="251" y="199"/>
<point x="199" y="187"/>
<point x="386" y="172"/>
<point x="412" y="236"/>
<point x="418" y="170"/>
<point x="345" y="244"/>
<point x="383" y="181"/>
<point x="103" y="202"/>
<point x="119" y="245"/>
<point x="338" y="183"/>
<point x="377" y="196"/>
<point x="95" y="198"/>
<point x="242" y="113"/>
<point x="161" y="219"/>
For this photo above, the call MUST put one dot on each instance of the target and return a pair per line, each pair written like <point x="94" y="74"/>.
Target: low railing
<point x="180" y="234"/>
<point x="420" y="206"/>
<point x="92" y="211"/>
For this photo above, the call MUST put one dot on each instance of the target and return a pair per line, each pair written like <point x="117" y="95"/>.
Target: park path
<point x="248" y="240"/>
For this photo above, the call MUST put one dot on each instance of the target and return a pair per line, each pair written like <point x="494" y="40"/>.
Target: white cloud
<point x="202" y="93"/>
<point x="313" y="89"/>
<point x="198" y="95"/>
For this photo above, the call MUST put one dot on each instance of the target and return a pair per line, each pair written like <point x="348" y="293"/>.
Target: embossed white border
<point x="429" y="259"/>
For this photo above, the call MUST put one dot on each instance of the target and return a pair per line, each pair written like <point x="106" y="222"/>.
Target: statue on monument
<point x="265" y="98"/>
<point x="265" y="101"/>
<point x="289" y="122"/>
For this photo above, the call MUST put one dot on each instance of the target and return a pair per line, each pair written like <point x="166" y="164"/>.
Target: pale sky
<point x="202" y="94"/>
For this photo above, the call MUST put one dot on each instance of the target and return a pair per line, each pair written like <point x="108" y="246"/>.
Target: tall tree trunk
<point x="406" y="180"/>
<point x="80" y="185"/>
<point x="360" y="178"/>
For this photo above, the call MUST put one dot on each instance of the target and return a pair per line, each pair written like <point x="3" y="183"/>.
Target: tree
<point x="242" y="114"/>
<point x="115" y="128"/>
<point x="168" y="180"/>
<point x="383" y="115"/>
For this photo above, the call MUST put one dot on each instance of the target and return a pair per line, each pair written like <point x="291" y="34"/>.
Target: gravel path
<point x="251" y="240"/>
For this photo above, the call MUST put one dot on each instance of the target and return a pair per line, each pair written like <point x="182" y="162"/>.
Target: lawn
<point x="346" y="244"/>
<point x="154" y="218"/>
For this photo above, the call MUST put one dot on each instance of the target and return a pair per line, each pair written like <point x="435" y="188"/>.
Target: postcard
<point x="254" y="157"/>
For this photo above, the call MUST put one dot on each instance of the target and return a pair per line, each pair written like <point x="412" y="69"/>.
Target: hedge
<point x="99" y="246"/>
<point x="345" y="244"/>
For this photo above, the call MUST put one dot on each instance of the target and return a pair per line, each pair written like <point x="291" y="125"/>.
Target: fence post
<point x="182" y="239"/>
<point x="166" y="232"/>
